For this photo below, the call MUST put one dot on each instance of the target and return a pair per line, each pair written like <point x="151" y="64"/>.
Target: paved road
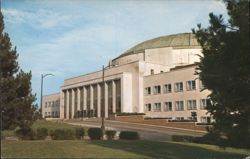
<point x="147" y="132"/>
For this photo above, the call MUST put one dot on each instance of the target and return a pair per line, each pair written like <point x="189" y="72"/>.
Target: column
<point x="73" y="103"/>
<point x="91" y="97"/>
<point x="98" y="101"/>
<point x="84" y="99"/>
<point x="106" y="98"/>
<point x="61" y="105"/>
<point x="78" y="99"/>
<point x="114" y="96"/>
<point x="67" y="104"/>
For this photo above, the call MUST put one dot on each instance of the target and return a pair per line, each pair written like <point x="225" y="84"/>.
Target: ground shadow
<point x="167" y="150"/>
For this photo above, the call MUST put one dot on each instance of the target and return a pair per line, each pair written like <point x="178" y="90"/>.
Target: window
<point x="49" y="104"/>
<point x="157" y="89"/>
<point x="179" y="105"/>
<point x="53" y="104"/>
<point x="168" y="106"/>
<point x="191" y="85"/>
<point x="203" y="103"/>
<point x="205" y="119"/>
<point x="49" y="113"/>
<point x="191" y="105"/>
<point x="52" y="113"/>
<point x="45" y="114"/>
<point x="46" y="104"/>
<point x="157" y="107"/>
<point x="179" y="118"/>
<point x="148" y="107"/>
<point x="148" y="91"/>
<point x="167" y="88"/>
<point x="178" y="87"/>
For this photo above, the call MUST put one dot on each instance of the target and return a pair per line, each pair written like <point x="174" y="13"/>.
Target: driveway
<point x="147" y="132"/>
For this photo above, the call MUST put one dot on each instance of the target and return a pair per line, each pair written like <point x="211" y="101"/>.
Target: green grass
<point x="117" y="149"/>
<point x="50" y="125"/>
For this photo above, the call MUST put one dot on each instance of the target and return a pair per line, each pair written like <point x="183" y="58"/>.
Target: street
<point x="147" y="132"/>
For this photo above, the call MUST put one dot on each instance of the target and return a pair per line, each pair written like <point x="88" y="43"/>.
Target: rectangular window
<point x="148" y="107"/>
<point x="46" y="104"/>
<point x="45" y="114"/>
<point x="191" y="105"/>
<point x="179" y="118"/>
<point x="157" y="89"/>
<point x="157" y="107"/>
<point x="148" y="91"/>
<point x="168" y="106"/>
<point x="167" y="88"/>
<point x="203" y="103"/>
<point x="178" y="87"/>
<point x="191" y="85"/>
<point x="179" y="105"/>
<point x="205" y="119"/>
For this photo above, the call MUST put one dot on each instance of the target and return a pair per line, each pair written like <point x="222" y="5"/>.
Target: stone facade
<point x="128" y="77"/>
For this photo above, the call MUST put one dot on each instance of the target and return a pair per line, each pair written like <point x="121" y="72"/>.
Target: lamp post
<point x="41" y="101"/>
<point x="103" y="103"/>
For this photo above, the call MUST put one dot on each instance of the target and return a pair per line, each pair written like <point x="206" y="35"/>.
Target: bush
<point x="63" y="134"/>
<point x="41" y="133"/>
<point x="95" y="133"/>
<point x="183" y="138"/>
<point x="110" y="134"/>
<point x="25" y="134"/>
<point x="79" y="133"/>
<point x="129" y="135"/>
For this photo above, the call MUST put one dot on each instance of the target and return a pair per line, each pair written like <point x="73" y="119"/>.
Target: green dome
<point x="176" y="40"/>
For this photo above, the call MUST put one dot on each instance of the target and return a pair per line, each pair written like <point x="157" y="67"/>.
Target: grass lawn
<point x="117" y="149"/>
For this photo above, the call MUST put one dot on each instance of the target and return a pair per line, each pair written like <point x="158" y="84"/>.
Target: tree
<point x="16" y="99"/>
<point x="225" y="70"/>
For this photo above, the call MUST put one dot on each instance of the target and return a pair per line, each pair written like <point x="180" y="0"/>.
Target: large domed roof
<point x="176" y="40"/>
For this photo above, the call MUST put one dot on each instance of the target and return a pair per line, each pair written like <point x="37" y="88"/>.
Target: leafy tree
<point x="225" y="70"/>
<point x="16" y="100"/>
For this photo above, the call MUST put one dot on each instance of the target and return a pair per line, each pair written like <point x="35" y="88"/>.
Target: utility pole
<point x="103" y="103"/>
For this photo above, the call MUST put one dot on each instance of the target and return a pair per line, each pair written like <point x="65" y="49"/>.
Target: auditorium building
<point x="156" y="77"/>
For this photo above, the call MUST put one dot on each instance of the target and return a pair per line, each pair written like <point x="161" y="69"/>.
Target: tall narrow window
<point x="157" y="107"/>
<point x="167" y="88"/>
<point x="157" y="89"/>
<point x="148" y="107"/>
<point x="148" y="91"/>
<point x="191" y="105"/>
<point x="191" y="85"/>
<point x="178" y="87"/>
<point x="168" y="106"/>
<point x="179" y="105"/>
<point x="204" y="103"/>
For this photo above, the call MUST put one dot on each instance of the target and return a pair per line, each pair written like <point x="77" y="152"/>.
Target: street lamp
<point x="41" y="101"/>
<point x="103" y="103"/>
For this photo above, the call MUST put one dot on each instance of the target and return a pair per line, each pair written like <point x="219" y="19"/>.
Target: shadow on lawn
<point x="166" y="150"/>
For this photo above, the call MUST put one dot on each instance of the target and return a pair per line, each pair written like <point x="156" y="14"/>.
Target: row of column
<point x="87" y="101"/>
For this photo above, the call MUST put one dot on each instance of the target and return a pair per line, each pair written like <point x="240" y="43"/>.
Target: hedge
<point x="129" y="135"/>
<point x="79" y="133"/>
<point x="62" y="134"/>
<point x="110" y="134"/>
<point x="95" y="133"/>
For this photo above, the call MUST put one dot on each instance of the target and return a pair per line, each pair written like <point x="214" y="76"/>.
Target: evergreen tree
<point x="16" y="100"/>
<point x="225" y="70"/>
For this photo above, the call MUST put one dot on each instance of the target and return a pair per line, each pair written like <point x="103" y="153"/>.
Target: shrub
<point x="63" y="134"/>
<point x="41" y="133"/>
<point x="79" y="133"/>
<point x="25" y="134"/>
<point x="95" y="133"/>
<point x="183" y="138"/>
<point x="110" y="134"/>
<point x="129" y="135"/>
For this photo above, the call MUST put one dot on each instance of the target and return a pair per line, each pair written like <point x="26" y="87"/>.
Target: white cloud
<point x="40" y="19"/>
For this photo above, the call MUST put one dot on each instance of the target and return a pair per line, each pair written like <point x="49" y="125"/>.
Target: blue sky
<point x="72" y="37"/>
